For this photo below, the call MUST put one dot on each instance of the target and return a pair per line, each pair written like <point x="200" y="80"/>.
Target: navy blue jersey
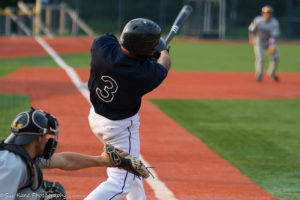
<point x="117" y="82"/>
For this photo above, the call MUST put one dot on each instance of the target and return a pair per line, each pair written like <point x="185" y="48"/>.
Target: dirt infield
<point x="209" y="177"/>
<point x="227" y="85"/>
<point x="19" y="47"/>
<point x="22" y="47"/>
<point x="222" y="85"/>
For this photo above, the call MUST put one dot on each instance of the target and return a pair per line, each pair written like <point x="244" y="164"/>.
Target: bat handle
<point x="172" y="33"/>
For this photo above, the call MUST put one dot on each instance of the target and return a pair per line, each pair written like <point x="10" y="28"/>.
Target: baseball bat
<point x="180" y="19"/>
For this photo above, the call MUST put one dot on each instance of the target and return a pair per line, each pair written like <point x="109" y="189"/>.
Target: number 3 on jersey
<point x="108" y="90"/>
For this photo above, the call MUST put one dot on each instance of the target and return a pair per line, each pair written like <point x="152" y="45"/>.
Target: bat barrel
<point x="180" y="19"/>
<point x="182" y="16"/>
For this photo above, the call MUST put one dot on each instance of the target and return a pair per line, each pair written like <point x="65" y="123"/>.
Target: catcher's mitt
<point x="53" y="191"/>
<point x="271" y="50"/>
<point x="129" y="163"/>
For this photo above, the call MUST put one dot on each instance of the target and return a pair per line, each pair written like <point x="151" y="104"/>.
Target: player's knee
<point x="275" y="58"/>
<point x="127" y="186"/>
<point x="122" y="185"/>
<point x="259" y="59"/>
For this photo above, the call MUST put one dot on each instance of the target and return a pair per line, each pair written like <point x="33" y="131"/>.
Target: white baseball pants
<point x="124" y="135"/>
<point x="259" y="50"/>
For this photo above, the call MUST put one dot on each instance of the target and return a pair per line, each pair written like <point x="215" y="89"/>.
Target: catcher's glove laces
<point x="149" y="171"/>
<point x="129" y="163"/>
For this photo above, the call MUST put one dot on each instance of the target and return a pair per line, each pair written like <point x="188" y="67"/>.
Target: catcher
<point x="31" y="146"/>
<point x="263" y="32"/>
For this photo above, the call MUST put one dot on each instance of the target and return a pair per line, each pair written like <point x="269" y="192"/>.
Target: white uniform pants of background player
<point x="124" y="135"/>
<point x="259" y="50"/>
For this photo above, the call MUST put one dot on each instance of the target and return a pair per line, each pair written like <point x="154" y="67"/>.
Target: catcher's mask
<point x="29" y="125"/>
<point x="140" y="36"/>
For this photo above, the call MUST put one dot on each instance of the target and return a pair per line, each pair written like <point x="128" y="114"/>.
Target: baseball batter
<point x="263" y="32"/>
<point x="121" y="73"/>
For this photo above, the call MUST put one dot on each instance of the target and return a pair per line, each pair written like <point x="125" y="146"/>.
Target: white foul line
<point x="69" y="70"/>
<point x="160" y="189"/>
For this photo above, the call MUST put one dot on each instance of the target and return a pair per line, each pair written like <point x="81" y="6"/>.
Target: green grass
<point x="185" y="56"/>
<point x="211" y="57"/>
<point x="227" y="57"/>
<point x="10" y="106"/>
<point x="78" y="60"/>
<point x="260" y="137"/>
<point x="9" y="65"/>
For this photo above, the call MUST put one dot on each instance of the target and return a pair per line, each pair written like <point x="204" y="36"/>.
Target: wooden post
<point x="222" y="19"/>
<point x="74" y="23"/>
<point x="62" y="17"/>
<point x="19" y="20"/>
<point x="48" y="20"/>
<point x="7" y="25"/>
<point x="80" y="23"/>
<point x="37" y="18"/>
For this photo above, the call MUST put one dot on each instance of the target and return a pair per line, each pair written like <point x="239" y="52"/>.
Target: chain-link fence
<point x="111" y="16"/>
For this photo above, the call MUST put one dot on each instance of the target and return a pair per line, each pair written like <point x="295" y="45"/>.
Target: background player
<point x="121" y="73"/>
<point x="263" y="32"/>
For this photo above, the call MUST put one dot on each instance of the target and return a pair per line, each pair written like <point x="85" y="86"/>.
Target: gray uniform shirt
<point x="14" y="175"/>
<point x="263" y="30"/>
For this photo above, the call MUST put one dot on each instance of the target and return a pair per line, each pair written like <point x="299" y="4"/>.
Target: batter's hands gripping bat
<point x="180" y="19"/>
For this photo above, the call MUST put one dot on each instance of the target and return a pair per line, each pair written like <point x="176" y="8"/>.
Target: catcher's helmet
<point x="29" y="125"/>
<point x="140" y="36"/>
<point x="267" y="9"/>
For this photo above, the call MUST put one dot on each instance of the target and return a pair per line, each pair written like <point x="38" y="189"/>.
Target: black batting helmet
<point x="29" y="125"/>
<point x="140" y="36"/>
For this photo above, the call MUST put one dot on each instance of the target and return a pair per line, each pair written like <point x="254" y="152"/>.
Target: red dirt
<point x="227" y="85"/>
<point x="20" y="47"/>
<point x="222" y="85"/>
<point x="11" y="47"/>
<point x="70" y="45"/>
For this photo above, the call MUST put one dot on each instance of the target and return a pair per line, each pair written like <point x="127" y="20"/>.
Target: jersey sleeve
<point x="104" y="41"/>
<point x="99" y="47"/>
<point x="156" y="75"/>
<point x="275" y="32"/>
<point x="101" y="50"/>
<point x="253" y="25"/>
<point x="13" y="176"/>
